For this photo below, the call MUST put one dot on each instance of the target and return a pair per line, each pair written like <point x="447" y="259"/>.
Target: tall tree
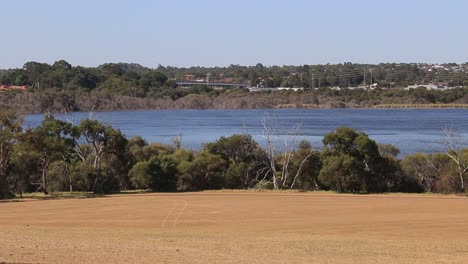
<point x="33" y="70"/>
<point x="100" y="141"/>
<point x="245" y="157"/>
<point x="352" y="162"/>
<point x="10" y="129"/>
<point x="47" y="142"/>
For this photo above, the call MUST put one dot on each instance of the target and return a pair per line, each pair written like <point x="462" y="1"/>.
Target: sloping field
<point x="236" y="227"/>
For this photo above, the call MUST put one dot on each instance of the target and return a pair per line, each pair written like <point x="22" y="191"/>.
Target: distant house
<point x="13" y="88"/>
<point x="291" y="88"/>
<point x="430" y="86"/>
<point x="189" y="77"/>
<point x="260" y="89"/>
<point x="427" y="86"/>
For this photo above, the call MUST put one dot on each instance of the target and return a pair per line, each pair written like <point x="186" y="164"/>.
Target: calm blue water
<point x="412" y="130"/>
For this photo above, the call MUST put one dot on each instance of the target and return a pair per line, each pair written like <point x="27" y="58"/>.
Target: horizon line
<point x="233" y="64"/>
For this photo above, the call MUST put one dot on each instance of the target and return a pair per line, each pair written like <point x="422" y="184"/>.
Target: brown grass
<point x="237" y="227"/>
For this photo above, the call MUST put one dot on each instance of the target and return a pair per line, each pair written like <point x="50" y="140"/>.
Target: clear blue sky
<point x="220" y="33"/>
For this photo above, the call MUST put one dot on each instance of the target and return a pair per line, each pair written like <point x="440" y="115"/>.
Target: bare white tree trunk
<point x="299" y="170"/>
<point x="270" y="151"/>
<point x="454" y="150"/>
<point x="271" y="134"/>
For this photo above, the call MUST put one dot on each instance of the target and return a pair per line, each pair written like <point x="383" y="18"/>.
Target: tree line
<point x="139" y="81"/>
<point x="58" y="156"/>
<point x="61" y="87"/>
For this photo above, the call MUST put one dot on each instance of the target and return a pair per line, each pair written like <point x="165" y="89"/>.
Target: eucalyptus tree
<point x="352" y="162"/>
<point x="95" y="142"/>
<point x="205" y="172"/>
<point x="157" y="174"/>
<point x="46" y="143"/>
<point x="246" y="159"/>
<point x="10" y="130"/>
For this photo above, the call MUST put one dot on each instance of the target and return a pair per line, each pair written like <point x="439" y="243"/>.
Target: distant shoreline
<point x="422" y="106"/>
<point x="50" y="101"/>
<point x="381" y="106"/>
<point x="376" y="107"/>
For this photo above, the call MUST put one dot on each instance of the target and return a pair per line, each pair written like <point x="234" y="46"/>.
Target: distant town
<point x="444" y="70"/>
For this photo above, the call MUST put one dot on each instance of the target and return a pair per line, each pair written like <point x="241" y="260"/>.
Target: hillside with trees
<point x="61" y="87"/>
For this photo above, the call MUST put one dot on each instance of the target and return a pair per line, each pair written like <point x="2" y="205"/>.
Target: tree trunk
<point x="299" y="170"/>
<point x="4" y="189"/>
<point x="275" y="180"/>
<point x="95" y="161"/>
<point x="462" y="181"/>
<point x="44" y="180"/>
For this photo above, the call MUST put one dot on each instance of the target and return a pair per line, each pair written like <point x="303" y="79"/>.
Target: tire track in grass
<point x="174" y="224"/>
<point x="174" y="206"/>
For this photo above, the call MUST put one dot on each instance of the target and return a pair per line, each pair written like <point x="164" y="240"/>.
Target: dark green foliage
<point x="105" y="151"/>
<point x="244" y="157"/>
<point x="141" y="175"/>
<point x="60" y="177"/>
<point x="237" y="175"/>
<point x="102" y="139"/>
<point x="432" y="172"/>
<point x="352" y="163"/>
<point x="205" y="172"/>
<point x="10" y="129"/>
<point x="236" y="148"/>
<point x="47" y="143"/>
<point x="311" y="165"/>
<point x="388" y="150"/>
<point x="157" y="174"/>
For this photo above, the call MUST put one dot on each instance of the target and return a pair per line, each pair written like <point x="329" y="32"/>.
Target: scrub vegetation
<point x="58" y="156"/>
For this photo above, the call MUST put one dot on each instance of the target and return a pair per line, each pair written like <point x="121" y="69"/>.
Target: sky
<point x="221" y="32"/>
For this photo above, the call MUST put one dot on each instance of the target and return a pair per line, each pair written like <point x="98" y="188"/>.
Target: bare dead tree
<point x="271" y="133"/>
<point x="92" y="113"/>
<point x="268" y="134"/>
<point x="435" y="164"/>
<point x="258" y="174"/>
<point x="454" y="149"/>
<point x="177" y="141"/>
<point x="289" y="146"/>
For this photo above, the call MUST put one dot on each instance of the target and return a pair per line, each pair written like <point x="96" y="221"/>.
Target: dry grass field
<point x="236" y="227"/>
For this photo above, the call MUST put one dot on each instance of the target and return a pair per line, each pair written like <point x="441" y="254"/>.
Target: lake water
<point x="412" y="130"/>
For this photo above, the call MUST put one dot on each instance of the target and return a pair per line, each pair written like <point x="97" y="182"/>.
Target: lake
<point x="412" y="130"/>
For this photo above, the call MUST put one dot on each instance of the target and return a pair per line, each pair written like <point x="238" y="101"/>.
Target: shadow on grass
<point x="87" y="195"/>
<point x="67" y="195"/>
<point x="12" y="200"/>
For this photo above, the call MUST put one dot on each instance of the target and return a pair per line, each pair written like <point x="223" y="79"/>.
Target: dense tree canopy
<point x="352" y="162"/>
